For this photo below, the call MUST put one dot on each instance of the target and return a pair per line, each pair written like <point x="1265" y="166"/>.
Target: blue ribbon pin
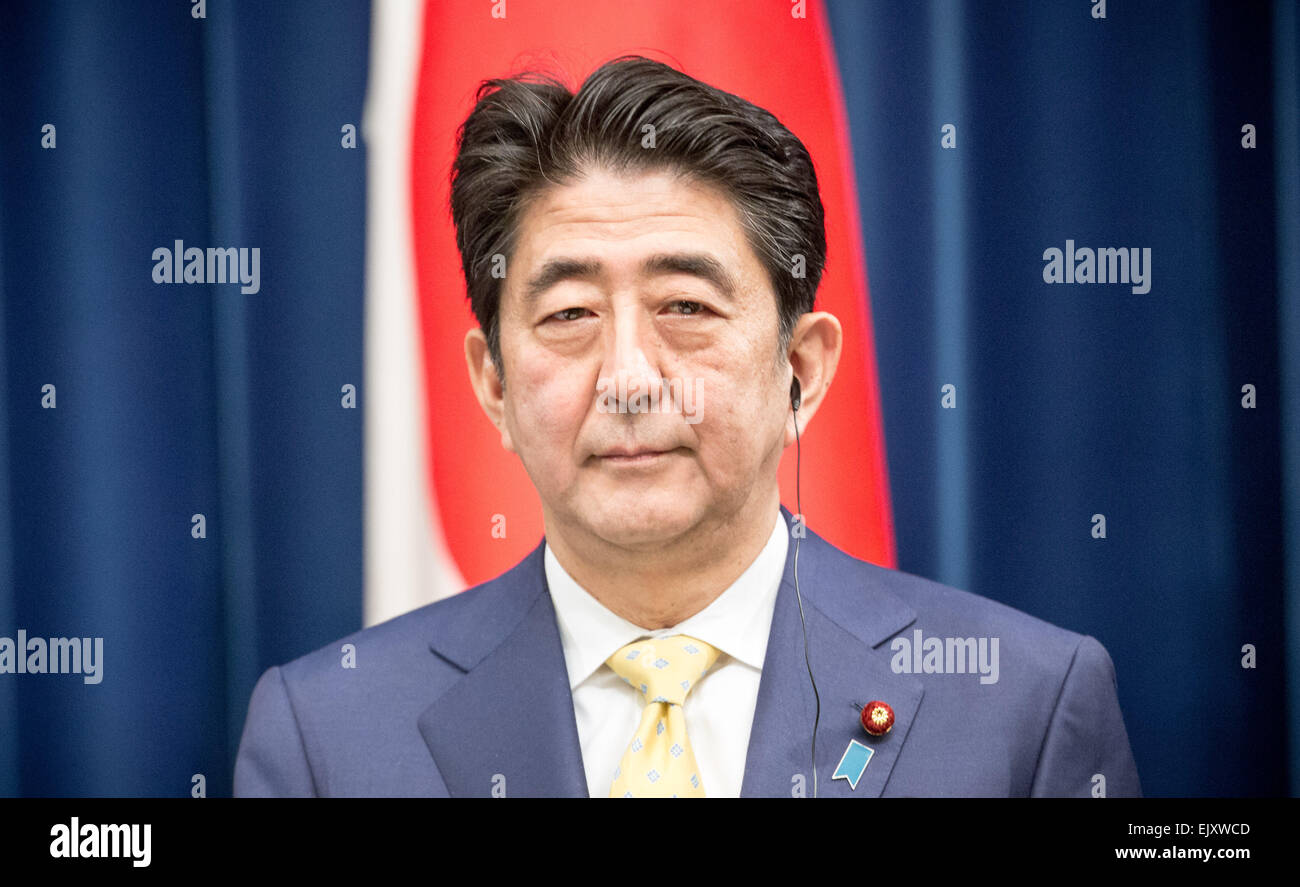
<point x="853" y="763"/>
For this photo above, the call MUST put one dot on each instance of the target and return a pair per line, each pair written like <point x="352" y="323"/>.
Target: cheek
<point x="547" y="406"/>
<point x="736" y="420"/>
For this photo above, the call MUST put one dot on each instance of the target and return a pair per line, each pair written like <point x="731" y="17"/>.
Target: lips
<point x="630" y="452"/>
<point x="635" y="455"/>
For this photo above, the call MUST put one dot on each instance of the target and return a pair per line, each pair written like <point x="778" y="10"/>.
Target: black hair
<point x="632" y="114"/>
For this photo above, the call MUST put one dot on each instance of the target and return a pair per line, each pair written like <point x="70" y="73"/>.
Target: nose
<point x="631" y="368"/>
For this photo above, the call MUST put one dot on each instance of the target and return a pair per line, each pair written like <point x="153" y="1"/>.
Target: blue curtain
<point x="1075" y="400"/>
<point x="174" y="399"/>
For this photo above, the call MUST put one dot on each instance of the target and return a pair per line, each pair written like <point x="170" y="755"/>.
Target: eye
<point x="693" y="307"/>
<point x="564" y="315"/>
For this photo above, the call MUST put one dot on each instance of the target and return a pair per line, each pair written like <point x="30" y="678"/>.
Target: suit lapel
<point x="848" y="621"/>
<point x="508" y="724"/>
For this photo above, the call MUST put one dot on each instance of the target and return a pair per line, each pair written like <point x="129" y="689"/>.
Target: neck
<point x="664" y="586"/>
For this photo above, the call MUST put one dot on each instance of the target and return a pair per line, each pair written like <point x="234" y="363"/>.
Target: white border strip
<point x="407" y="563"/>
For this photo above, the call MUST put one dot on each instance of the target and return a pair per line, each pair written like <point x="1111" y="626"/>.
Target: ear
<point x="815" y="348"/>
<point x="487" y="384"/>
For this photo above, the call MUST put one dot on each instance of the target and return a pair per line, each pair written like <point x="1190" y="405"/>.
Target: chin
<point x="640" y="519"/>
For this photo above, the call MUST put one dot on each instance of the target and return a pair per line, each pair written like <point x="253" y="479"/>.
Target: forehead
<point x="620" y="219"/>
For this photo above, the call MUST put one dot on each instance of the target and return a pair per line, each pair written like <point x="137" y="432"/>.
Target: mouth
<point x="634" y="456"/>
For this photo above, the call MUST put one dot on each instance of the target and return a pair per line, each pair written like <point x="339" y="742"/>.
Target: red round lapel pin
<point x="877" y="717"/>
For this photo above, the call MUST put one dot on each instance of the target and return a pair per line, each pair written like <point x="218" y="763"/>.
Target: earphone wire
<point x="807" y="661"/>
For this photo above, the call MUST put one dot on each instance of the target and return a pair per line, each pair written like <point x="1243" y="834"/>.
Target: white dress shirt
<point x="720" y="707"/>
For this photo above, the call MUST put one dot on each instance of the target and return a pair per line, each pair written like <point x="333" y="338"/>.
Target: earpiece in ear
<point x="794" y="393"/>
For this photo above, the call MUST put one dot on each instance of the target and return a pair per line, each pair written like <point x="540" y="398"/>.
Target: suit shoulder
<point x="934" y="599"/>
<point x="403" y="644"/>
<point x="942" y="610"/>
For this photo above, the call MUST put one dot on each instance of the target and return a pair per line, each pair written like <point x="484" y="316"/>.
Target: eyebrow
<point x="700" y="265"/>
<point x="558" y="270"/>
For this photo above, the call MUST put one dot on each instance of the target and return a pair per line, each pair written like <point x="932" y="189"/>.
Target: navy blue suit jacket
<point x="471" y="693"/>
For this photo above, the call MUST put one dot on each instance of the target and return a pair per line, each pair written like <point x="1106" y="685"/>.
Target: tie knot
<point x="663" y="669"/>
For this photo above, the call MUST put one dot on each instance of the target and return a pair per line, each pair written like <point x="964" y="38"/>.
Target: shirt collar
<point x="737" y="622"/>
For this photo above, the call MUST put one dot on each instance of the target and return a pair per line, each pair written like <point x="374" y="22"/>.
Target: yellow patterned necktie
<point x="659" y="762"/>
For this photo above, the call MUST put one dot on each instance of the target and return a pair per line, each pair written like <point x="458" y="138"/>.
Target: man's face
<point x="624" y="286"/>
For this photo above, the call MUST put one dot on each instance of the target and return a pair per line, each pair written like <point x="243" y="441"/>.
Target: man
<point x="648" y="350"/>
